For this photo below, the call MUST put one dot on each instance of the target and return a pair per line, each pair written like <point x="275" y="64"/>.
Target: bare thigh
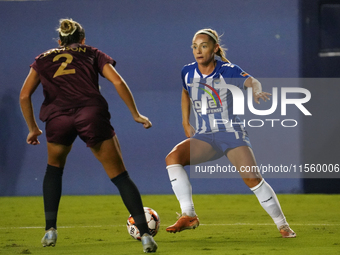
<point x="109" y="154"/>
<point x="190" y="152"/>
<point x="243" y="158"/>
<point x="57" y="154"/>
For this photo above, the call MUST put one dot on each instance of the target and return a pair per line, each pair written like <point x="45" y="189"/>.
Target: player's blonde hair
<point x="70" y="32"/>
<point x="216" y="38"/>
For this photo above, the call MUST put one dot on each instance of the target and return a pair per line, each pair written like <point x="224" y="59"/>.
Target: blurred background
<point x="295" y="42"/>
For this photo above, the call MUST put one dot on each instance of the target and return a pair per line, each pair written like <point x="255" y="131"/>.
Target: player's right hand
<point x="189" y="130"/>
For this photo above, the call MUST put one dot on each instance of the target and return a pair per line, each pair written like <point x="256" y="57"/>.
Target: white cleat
<point x="149" y="245"/>
<point x="50" y="238"/>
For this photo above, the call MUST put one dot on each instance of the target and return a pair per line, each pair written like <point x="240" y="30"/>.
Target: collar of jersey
<point x="218" y="65"/>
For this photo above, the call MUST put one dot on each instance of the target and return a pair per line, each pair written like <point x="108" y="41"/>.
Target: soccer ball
<point x="152" y="219"/>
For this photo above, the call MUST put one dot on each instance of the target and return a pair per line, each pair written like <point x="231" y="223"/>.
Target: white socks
<point x="183" y="191"/>
<point x="268" y="200"/>
<point x="182" y="188"/>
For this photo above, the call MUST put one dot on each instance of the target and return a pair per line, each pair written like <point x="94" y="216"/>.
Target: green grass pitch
<point x="230" y="224"/>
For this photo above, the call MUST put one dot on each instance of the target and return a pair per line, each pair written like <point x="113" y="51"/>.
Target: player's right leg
<point x="94" y="127"/>
<point x="109" y="154"/>
<point x="190" y="151"/>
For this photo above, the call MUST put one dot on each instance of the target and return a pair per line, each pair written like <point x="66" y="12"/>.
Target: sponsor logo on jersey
<point x="206" y="106"/>
<point x="244" y="74"/>
<point x="213" y="90"/>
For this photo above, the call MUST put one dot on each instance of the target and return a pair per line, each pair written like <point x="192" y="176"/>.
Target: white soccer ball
<point x="152" y="219"/>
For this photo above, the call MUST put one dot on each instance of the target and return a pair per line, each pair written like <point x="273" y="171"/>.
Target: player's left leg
<point x="60" y="135"/>
<point x="52" y="186"/>
<point x="243" y="159"/>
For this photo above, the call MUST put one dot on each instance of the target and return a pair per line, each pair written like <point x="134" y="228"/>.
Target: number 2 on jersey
<point x="61" y="70"/>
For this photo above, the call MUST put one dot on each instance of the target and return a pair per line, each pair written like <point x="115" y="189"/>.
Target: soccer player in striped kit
<point x="74" y="106"/>
<point x="213" y="139"/>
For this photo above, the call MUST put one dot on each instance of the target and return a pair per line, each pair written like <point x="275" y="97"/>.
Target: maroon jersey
<point x="69" y="76"/>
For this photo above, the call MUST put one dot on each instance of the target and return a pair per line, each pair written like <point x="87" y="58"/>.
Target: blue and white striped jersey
<point x="211" y="96"/>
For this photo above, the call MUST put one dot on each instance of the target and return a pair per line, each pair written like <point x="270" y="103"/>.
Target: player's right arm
<point x="124" y="92"/>
<point x="185" y="105"/>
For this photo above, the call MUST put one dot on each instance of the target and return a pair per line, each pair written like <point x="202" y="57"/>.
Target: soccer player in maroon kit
<point x="74" y="106"/>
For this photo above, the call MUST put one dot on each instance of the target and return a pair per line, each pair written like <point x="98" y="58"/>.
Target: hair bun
<point x="67" y="27"/>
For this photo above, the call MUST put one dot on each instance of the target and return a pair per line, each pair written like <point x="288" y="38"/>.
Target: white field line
<point x="224" y="224"/>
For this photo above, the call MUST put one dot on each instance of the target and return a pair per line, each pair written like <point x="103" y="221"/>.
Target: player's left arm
<point x="30" y="85"/>
<point x="258" y="94"/>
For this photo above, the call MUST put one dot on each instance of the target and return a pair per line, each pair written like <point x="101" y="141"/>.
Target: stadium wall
<point x="150" y="40"/>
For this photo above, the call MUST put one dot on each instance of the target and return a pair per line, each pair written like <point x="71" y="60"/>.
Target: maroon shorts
<point x="91" y="123"/>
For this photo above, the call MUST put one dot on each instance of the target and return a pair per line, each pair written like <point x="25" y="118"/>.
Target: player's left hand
<point x="261" y="95"/>
<point x="32" y="137"/>
<point x="143" y="120"/>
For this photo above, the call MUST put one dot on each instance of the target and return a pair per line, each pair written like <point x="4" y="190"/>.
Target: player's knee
<point x="172" y="158"/>
<point x="56" y="162"/>
<point x="168" y="159"/>
<point x="252" y="182"/>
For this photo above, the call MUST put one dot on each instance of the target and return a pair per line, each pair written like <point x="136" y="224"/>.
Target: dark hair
<point x="70" y="32"/>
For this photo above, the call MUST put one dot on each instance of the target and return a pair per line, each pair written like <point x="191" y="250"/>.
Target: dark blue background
<point x="150" y="40"/>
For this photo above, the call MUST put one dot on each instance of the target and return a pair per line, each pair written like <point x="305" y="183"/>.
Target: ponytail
<point x="221" y="53"/>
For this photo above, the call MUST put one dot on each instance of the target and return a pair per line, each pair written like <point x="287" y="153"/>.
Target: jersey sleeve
<point x="183" y="79"/>
<point x="103" y="59"/>
<point x="238" y="76"/>
<point x="186" y="74"/>
<point x="35" y="65"/>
